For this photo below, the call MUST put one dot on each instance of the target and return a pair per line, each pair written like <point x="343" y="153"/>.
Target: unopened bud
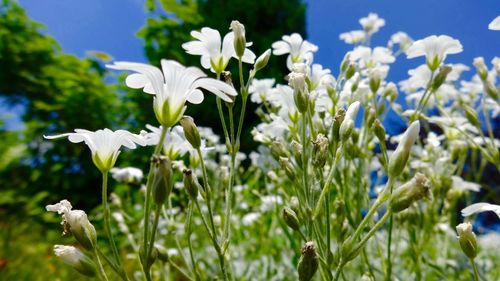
<point x="345" y="63"/>
<point x="320" y="151"/>
<point x="347" y="125"/>
<point x="278" y="149"/>
<point x="440" y="77"/>
<point x="467" y="239"/>
<point x="351" y="70"/>
<point x="471" y="115"/>
<point x="308" y="262"/>
<point x="81" y="228"/>
<point x="398" y="159"/>
<point x="412" y="191"/>
<point x="163" y="179"/>
<point x="239" y="38"/>
<point x="375" y="79"/>
<point x="262" y="60"/>
<point x="162" y="253"/>
<point x="190" y="183"/>
<point x="152" y="256"/>
<point x="379" y="130"/>
<point x="290" y="218"/>
<point x="490" y="89"/>
<point x="390" y="91"/>
<point x="288" y="167"/>
<point x="370" y="115"/>
<point x="76" y="259"/>
<point x="297" y="152"/>
<point x="191" y="131"/>
<point x="337" y="121"/>
<point x="481" y="69"/>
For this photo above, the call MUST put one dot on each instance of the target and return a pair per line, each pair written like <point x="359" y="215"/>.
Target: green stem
<point x="474" y="268"/>
<point x="190" y="245"/>
<point x="153" y="234"/>
<point x="101" y="268"/>
<point x="389" y="263"/>
<point x="180" y="270"/>
<point x="423" y="100"/>
<point x="210" y="218"/>
<point x="107" y="225"/>
<point x="147" y="199"/>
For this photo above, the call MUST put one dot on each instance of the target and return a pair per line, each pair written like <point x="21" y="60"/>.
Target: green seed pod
<point x="163" y="179"/>
<point x="471" y="115"/>
<point x="278" y="149"/>
<point x="290" y="218"/>
<point x="288" y="167"/>
<point x="337" y="121"/>
<point x="308" y="262"/>
<point x="190" y="183"/>
<point x="467" y="239"/>
<point x="191" y="131"/>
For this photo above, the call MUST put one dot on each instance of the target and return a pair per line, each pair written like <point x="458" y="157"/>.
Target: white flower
<point x="480" y="207"/>
<point x="495" y="24"/>
<point x="127" y="175"/>
<point x="372" y="23"/>
<point x="172" y="88"/>
<point x="104" y="144"/>
<point x="76" y="223"/>
<point x="353" y="37"/>
<point x="250" y="218"/>
<point x="69" y="254"/>
<point x="175" y="143"/>
<point x="300" y="50"/>
<point x="460" y="184"/>
<point x="434" y="48"/>
<point x="402" y="39"/>
<point x="260" y="89"/>
<point x="371" y="57"/>
<point x="214" y="55"/>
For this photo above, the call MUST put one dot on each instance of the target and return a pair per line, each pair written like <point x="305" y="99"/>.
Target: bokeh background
<point x="52" y="80"/>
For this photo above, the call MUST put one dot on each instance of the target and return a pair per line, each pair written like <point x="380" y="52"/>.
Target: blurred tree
<point x="58" y="93"/>
<point x="266" y="21"/>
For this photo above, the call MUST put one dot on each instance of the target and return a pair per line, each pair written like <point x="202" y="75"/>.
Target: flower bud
<point x="278" y="149"/>
<point x="390" y="91"/>
<point x="375" y="79"/>
<point x="347" y="125"/>
<point x="288" y="167"/>
<point x="262" y="60"/>
<point x="440" y="77"/>
<point x="152" y="256"/>
<point x="190" y="183"/>
<point x="398" y="159"/>
<point x="81" y="228"/>
<point x="471" y="115"/>
<point x="239" y="38"/>
<point x="191" y="131"/>
<point x="490" y="89"/>
<point x="298" y="82"/>
<point x="320" y="151"/>
<point x="481" y="69"/>
<point x="370" y="115"/>
<point x="162" y="253"/>
<point x="412" y="191"/>
<point x="308" y="262"/>
<point x="290" y="218"/>
<point x="467" y="239"/>
<point x="345" y="62"/>
<point x="297" y="152"/>
<point x="163" y="179"/>
<point x="337" y="121"/>
<point x="351" y="70"/>
<point x="76" y="259"/>
<point x="379" y="130"/>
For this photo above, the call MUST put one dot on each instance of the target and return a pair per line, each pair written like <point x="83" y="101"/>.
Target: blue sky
<point x="110" y="26"/>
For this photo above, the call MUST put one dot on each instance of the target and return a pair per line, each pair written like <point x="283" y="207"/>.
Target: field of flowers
<point x="328" y="195"/>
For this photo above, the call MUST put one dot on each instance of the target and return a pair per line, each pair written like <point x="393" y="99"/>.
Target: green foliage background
<point x="60" y="92"/>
